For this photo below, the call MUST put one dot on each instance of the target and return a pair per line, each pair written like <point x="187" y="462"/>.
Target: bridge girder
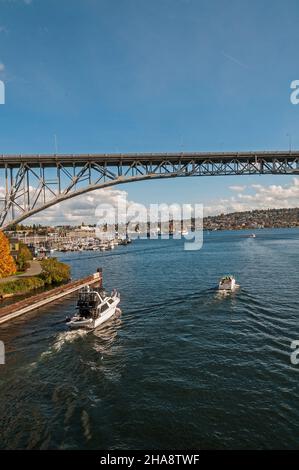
<point x="32" y="183"/>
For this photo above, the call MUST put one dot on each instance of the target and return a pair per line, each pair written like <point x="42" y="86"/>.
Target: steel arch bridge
<point x="32" y="183"/>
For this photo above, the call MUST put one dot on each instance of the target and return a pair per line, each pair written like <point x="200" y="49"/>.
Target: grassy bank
<point x="53" y="273"/>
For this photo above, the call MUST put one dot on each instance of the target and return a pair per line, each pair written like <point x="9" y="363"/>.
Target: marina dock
<point x="32" y="303"/>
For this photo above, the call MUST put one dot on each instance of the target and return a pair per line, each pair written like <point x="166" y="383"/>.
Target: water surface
<point x="181" y="367"/>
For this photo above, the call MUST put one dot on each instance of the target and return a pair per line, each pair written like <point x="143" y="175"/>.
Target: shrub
<point x="20" y="286"/>
<point x="54" y="272"/>
<point x="24" y="256"/>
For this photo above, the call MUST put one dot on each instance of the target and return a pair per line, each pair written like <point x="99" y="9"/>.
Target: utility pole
<point x="290" y="142"/>
<point x="55" y="143"/>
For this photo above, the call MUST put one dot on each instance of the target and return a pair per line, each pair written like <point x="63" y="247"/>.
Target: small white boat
<point x="227" y="283"/>
<point x="252" y="235"/>
<point x="95" y="307"/>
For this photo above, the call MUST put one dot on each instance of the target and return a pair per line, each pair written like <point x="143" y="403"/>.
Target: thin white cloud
<point x="27" y="2"/>
<point x="237" y="188"/>
<point x="233" y="59"/>
<point x="2" y="67"/>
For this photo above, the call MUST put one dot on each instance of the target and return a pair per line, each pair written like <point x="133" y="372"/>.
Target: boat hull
<point x="91" y="324"/>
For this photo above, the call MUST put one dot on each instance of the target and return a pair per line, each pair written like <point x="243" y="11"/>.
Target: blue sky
<point x="159" y="75"/>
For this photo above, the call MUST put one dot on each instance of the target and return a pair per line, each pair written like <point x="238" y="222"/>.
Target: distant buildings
<point x="268" y="218"/>
<point x="265" y="218"/>
<point x="82" y="231"/>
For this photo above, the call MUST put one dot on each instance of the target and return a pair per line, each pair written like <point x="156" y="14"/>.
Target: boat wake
<point x="62" y="339"/>
<point x="220" y="294"/>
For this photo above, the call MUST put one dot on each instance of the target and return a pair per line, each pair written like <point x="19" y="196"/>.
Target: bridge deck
<point x="129" y="158"/>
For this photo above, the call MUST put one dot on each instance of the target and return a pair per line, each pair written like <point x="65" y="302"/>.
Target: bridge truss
<point x="32" y="183"/>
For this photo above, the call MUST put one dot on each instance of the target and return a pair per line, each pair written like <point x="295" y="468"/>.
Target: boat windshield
<point x="226" y="279"/>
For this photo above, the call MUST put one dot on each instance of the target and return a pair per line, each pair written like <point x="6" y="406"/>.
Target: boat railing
<point x="87" y="296"/>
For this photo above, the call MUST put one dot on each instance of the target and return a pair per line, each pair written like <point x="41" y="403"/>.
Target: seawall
<point x="35" y="301"/>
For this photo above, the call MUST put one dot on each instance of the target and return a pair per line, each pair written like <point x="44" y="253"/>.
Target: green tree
<point x="24" y="256"/>
<point x="54" y="272"/>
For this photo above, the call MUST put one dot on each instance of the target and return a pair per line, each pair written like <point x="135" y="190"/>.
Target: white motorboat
<point x="227" y="283"/>
<point x="95" y="307"/>
<point x="253" y="235"/>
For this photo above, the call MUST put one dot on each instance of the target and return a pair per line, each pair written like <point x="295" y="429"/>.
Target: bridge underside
<point x="32" y="183"/>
